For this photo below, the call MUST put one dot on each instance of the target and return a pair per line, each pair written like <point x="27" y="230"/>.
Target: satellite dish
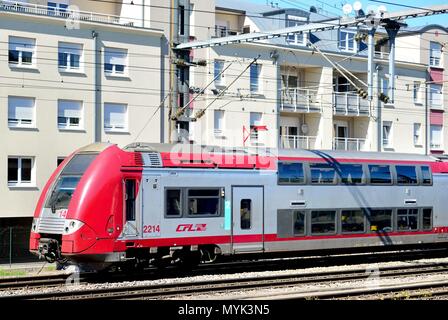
<point x="357" y="6"/>
<point x="304" y="128"/>
<point x="347" y="9"/>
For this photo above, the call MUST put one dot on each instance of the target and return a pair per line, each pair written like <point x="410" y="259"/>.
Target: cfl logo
<point x="72" y="22"/>
<point x="191" y="227"/>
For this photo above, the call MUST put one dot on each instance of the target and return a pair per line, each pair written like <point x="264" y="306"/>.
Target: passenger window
<point x="299" y="223"/>
<point x="406" y="174"/>
<point x="246" y="213"/>
<point x="173" y="203"/>
<point x="381" y="220"/>
<point x="380" y="174"/>
<point x="204" y="202"/>
<point x="322" y="173"/>
<point x="426" y="175"/>
<point x="427" y="219"/>
<point x="130" y="200"/>
<point x="407" y="219"/>
<point x="351" y="173"/>
<point x="352" y="221"/>
<point x="323" y="222"/>
<point x="290" y="173"/>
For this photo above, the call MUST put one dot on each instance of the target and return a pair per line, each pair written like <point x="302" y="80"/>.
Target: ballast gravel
<point x="259" y="293"/>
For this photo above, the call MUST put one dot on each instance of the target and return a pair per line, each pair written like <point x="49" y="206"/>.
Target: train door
<point x="247" y="219"/>
<point x="130" y="191"/>
<point x="152" y="207"/>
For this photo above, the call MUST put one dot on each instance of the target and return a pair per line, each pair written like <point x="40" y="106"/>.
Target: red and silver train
<point x="158" y="204"/>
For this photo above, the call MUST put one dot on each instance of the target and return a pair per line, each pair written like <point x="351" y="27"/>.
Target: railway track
<point x="228" y="286"/>
<point x="230" y="267"/>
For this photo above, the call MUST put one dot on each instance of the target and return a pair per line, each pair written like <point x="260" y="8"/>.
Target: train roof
<point x="277" y="153"/>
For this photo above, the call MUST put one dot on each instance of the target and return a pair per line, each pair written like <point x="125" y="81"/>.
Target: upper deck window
<point x="290" y="173"/>
<point x="426" y="175"/>
<point x="322" y="173"/>
<point x="380" y="174"/>
<point x="406" y="174"/>
<point x="351" y="173"/>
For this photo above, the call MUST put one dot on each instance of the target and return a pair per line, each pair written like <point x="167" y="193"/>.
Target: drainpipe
<point x="98" y="63"/>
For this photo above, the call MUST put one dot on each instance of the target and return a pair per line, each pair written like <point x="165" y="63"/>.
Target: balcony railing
<point x="297" y="142"/>
<point x="41" y="10"/>
<point x="300" y="100"/>
<point x="382" y="55"/>
<point x="349" y="144"/>
<point x="350" y="104"/>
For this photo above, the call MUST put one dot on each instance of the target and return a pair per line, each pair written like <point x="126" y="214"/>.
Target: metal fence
<point x="14" y="244"/>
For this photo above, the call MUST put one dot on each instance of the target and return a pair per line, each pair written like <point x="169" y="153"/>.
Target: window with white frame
<point x="296" y="38"/>
<point x="69" y="114"/>
<point x="57" y="8"/>
<point x="218" y="76"/>
<point x="435" y="96"/>
<point x="435" y="137"/>
<point x="21" y="112"/>
<point x="417" y="134"/>
<point x="115" y="61"/>
<point x="219" y="122"/>
<point x="255" y="70"/>
<point x="70" y="56"/>
<point x="417" y="92"/>
<point x="22" y="51"/>
<point x="115" y="117"/>
<point x="387" y="133"/>
<point x="347" y="40"/>
<point x="435" y="54"/>
<point x="255" y="121"/>
<point x="20" y="171"/>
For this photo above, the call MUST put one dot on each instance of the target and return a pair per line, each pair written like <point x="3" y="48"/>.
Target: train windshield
<point x="67" y="182"/>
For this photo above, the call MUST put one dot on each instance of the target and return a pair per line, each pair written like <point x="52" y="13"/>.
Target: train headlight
<point x="34" y="224"/>
<point x="71" y="226"/>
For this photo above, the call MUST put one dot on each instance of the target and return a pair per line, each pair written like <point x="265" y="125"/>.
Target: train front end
<point x="78" y="215"/>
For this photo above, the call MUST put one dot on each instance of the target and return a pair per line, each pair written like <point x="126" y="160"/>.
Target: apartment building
<point x="302" y="99"/>
<point x="68" y="80"/>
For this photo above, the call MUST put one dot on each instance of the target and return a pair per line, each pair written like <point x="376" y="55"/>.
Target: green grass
<point x="11" y="273"/>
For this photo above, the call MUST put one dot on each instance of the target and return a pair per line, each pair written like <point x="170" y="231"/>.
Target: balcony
<point x="73" y="16"/>
<point x="350" y="104"/>
<point x="349" y="144"/>
<point x="297" y="142"/>
<point x="300" y="100"/>
<point x="382" y="55"/>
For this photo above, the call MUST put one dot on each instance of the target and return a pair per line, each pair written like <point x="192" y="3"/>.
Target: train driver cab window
<point x="407" y="219"/>
<point x="406" y="175"/>
<point x="246" y="213"/>
<point x="323" y="222"/>
<point x="204" y="202"/>
<point x="290" y="173"/>
<point x="427" y="219"/>
<point x="381" y="220"/>
<point x="130" y="199"/>
<point x="426" y="175"/>
<point x="322" y="173"/>
<point x="380" y="174"/>
<point x="173" y="207"/>
<point x="351" y="173"/>
<point x="352" y="221"/>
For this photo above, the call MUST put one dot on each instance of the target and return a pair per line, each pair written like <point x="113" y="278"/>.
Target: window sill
<point x="18" y="67"/>
<point x="124" y="132"/>
<point x="73" y="72"/>
<point x="419" y="145"/>
<point x="389" y="105"/>
<point x="111" y="76"/>
<point x="418" y="103"/>
<point x="63" y="129"/>
<point x="437" y="108"/>
<point x="23" y="187"/>
<point x="19" y="128"/>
